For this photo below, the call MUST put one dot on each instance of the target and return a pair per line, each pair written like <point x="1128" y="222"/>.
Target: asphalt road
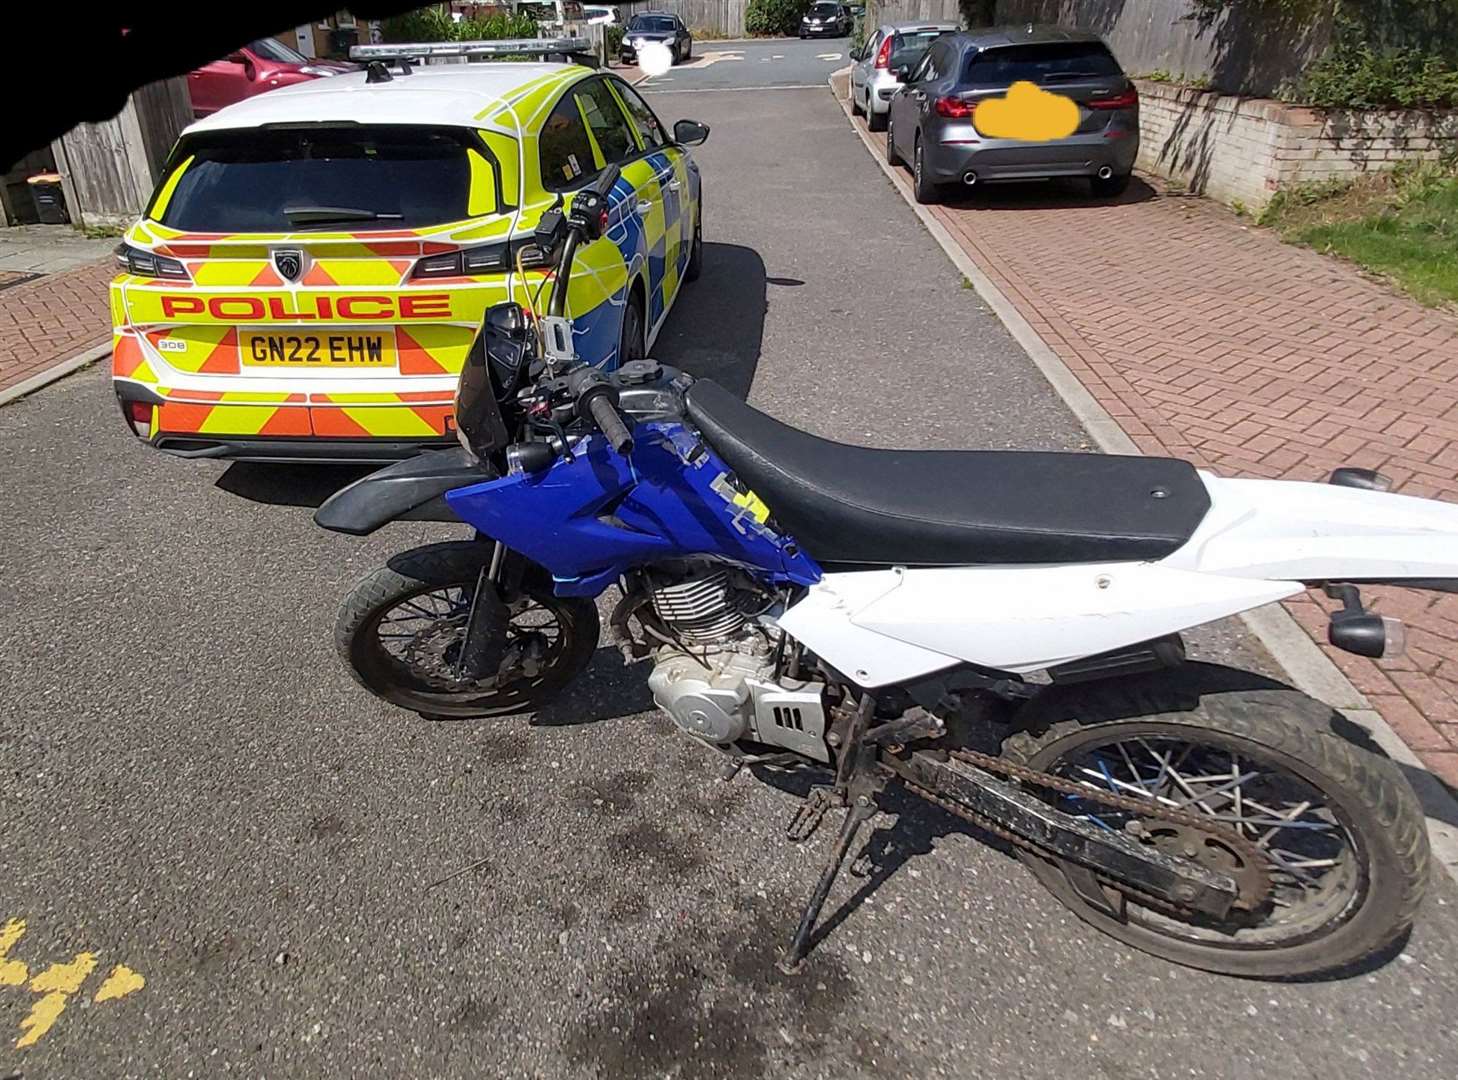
<point x="736" y="65"/>
<point x="190" y="785"/>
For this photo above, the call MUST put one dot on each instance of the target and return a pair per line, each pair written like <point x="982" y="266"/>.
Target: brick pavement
<point x="50" y="318"/>
<point x="1211" y="340"/>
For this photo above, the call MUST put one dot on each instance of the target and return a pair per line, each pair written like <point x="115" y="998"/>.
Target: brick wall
<point x="1243" y="150"/>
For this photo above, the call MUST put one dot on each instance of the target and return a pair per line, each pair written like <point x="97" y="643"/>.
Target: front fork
<point x="484" y="647"/>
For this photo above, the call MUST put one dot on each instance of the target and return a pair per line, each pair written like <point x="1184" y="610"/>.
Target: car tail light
<point x="883" y="57"/>
<point x="1129" y="99"/>
<point x="485" y="259"/>
<point x="953" y="108"/>
<point x="147" y="264"/>
<point x="139" y="415"/>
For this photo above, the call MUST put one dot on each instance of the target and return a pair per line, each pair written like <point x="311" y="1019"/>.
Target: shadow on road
<point x="288" y="485"/>
<point x="716" y="328"/>
<point x="1044" y="195"/>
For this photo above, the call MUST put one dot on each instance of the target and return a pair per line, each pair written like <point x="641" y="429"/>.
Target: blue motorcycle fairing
<point x="592" y="519"/>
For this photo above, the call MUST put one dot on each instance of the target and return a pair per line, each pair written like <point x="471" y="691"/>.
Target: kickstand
<point x="856" y="777"/>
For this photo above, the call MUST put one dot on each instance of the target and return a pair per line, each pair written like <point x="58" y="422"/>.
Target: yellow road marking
<point x="121" y="982"/>
<point x="56" y="984"/>
<point x="12" y="972"/>
<point x="43" y="1014"/>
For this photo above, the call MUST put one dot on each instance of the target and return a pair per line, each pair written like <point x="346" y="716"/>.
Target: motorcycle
<point x="996" y="632"/>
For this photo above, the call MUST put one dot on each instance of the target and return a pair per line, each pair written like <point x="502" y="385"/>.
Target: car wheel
<point x="633" y="338"/>
<point x="688" y="50"/>
<point x="695" y="265"/>
<point x="674" y="57"/>
<point x="1111" y="188"/>
<point x="856" y="109"/>
<point x="922" y="186"/>
<point x="874" y="120"/>
<point x="892" y="157"/>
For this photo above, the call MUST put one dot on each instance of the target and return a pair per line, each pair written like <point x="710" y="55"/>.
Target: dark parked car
<point x="659" y="26"/>
<point x="932" y="123"/>
<point x="825" y="19"/>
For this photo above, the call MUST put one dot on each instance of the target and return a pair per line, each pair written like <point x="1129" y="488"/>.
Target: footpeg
<point x="810" y="813"/>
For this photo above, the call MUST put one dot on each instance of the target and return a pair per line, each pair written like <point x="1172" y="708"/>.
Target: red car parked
<point x="255" y="68"/>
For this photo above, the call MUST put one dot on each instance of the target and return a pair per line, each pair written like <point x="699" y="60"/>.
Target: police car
<point x="313" y="268"/>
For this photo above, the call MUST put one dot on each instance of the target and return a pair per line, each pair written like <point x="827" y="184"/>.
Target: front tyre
<point x="1343" y="836"/>
<point x="400" y="631"/>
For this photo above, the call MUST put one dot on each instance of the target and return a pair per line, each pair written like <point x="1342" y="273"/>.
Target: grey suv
<point x="931" y="118"/>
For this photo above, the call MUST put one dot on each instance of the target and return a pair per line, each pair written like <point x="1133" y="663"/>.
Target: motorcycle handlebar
<point x="610" y="422"/>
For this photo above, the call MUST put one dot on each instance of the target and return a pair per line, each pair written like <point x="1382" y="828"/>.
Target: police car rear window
<point x="346" y="179"/>
<point x="1051" y="62"/>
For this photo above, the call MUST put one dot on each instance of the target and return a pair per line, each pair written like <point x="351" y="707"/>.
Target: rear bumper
<point x="1001" y="160"/>
<point x="302" y="427"/>
<point x="880" y="89"/>
<point x="327" y="451"/>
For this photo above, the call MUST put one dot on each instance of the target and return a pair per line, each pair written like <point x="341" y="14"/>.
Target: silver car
<point x="873" y="78"/>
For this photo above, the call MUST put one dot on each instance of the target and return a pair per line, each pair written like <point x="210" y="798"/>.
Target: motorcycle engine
<point x="715" y="669"/>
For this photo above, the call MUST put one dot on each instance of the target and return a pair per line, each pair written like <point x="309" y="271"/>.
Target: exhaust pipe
<point x="969" y="178"/>
<point x="1105" y="172"/>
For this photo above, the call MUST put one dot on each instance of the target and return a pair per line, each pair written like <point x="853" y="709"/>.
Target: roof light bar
<point x="407" y="50"/>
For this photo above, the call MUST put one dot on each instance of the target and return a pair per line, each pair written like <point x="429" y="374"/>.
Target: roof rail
<point x="576" y="48"/>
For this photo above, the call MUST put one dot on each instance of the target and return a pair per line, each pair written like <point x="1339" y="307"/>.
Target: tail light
<point x="139" y="415"/>
<point x="147" y="264"/>
<point x="485" y="259"/>
<point x="1129" y="99"/>
<point x="953" y="108"/>
<point x="883" y="57"/>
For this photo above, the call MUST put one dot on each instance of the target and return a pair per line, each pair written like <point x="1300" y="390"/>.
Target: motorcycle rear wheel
<point x="398" y="626"/>
<point x="1347" y="874"/>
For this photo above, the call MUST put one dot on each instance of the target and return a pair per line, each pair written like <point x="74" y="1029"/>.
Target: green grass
<point x="1402" y="225"/>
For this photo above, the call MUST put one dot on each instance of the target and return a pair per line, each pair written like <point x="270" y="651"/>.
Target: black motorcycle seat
<point x="852" y="505"/>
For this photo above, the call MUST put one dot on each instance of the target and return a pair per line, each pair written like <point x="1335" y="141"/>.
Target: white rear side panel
<point x="1319" y="532"/>
<point x="884" y="626"/>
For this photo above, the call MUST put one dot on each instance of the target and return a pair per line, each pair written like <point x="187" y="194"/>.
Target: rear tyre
<point x="926" y="192"/>
<point x="401" y="627"/>
<point x="1344" y="836"/>
<point x="874" y="121"/>
<point x="695" y="265"/>
<point x="633" y="338"/>
<point x="1111" y="188"/>
<point x="892" y="157"/>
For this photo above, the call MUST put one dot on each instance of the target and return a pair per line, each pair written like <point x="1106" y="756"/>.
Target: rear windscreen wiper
<point x="1060" y="76"/>
<point x="325" y="215"/>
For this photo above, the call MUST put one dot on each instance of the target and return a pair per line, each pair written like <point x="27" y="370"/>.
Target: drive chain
<point x="1254" y="884"/>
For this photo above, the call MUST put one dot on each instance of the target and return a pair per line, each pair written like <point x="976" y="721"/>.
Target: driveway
<point x="192" y="788"/>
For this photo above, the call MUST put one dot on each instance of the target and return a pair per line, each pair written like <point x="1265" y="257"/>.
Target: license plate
<point x="316" y="350"/>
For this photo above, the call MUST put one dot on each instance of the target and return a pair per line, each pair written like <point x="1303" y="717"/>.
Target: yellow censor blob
<point x="1027" y="113"/>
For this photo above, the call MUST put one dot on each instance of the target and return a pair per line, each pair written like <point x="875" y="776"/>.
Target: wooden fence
<point x="108" y="169"/>
<point x="723" y="18"/>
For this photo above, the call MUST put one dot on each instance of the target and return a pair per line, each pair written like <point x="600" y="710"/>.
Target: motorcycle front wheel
<point x="401" y="628"/>
<point x="1342" y="837"/>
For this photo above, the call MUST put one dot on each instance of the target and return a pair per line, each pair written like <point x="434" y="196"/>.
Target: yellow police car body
<point x="316" y="262"/>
